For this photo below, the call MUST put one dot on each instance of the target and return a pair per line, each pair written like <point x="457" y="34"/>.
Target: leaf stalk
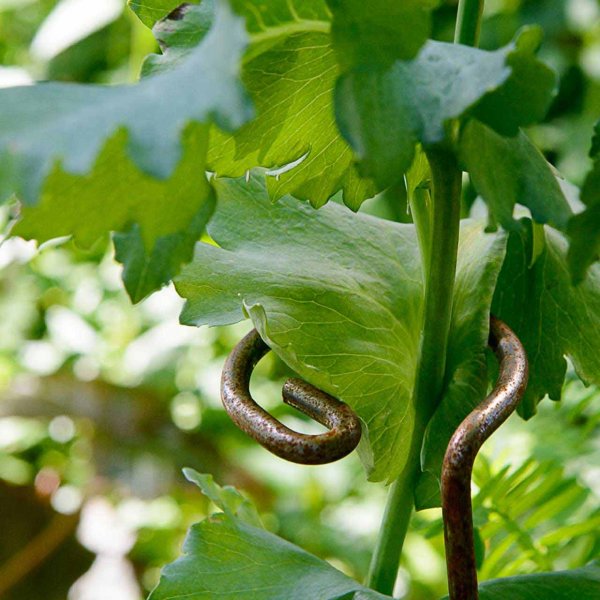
<point x="468" y="22"/>
<point x="439" y="275"/>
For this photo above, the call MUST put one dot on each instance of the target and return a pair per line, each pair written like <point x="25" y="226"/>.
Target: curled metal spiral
<point x="460" y="456"/>
<point x="345" y="431"/>
<point x="343" y="424"/>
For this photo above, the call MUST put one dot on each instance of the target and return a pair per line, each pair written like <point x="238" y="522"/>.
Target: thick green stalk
<point x="439" y="287"/>
<point x="468" y="22"/>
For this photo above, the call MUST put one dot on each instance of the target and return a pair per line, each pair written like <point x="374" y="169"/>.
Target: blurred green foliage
<point x="102" y="403"/>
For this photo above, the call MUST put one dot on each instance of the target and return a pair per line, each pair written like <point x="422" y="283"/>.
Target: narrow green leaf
<point x="506" y="171"/>
<point x="338" y="297"/>
<point x="566" y="534"/>
<point x="552" y="318"/>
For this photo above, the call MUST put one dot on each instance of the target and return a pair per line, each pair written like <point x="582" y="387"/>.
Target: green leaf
<point x="117" y="196"/>
<point x="552" y="318"/>
<point x="227" y="558"/>
<point x="227" y="498"/>
<point x="231" y="556"/>
<point x="507" y="171"/>
<point x="151" y="11"/>
<point x="380" y="31"/>
<point x="125" y="158"/>
<point x="584" y="228"/>
<point x="146" y="270"/>
<point x="525" y="96"/>
<point x="583" y="584"/>
<point x="290" y="74"/>
<point x="383" y="112"/>
<point x="337" y="296"/>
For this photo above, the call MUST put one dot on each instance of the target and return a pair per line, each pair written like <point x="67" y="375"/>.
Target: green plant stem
<point x="468" y="22"/>
<point x="429" y="381"/>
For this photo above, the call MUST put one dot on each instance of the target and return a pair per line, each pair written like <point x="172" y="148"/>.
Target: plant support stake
<point x="344" y="426"/>
<point x="460" y="456"/>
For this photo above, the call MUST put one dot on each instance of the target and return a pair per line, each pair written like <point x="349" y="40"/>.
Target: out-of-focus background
<point x="102" y="403"/>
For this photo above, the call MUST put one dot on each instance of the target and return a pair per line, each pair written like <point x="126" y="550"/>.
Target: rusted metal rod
<point x="461" y="453"/>
<point x="343" y="424"/>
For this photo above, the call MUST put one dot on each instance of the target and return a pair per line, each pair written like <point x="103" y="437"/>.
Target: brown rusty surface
<point x="461" y="453"/>
<point x="344" y="427"/>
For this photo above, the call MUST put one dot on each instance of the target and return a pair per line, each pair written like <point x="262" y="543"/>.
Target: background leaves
<point x="82" y="150"/>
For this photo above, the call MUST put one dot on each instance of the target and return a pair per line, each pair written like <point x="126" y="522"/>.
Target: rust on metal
<point x="461" y="453"/>
<point x="343" y="424"/>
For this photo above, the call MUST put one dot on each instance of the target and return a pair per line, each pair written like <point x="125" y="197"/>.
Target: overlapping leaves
<point x="383" y="112"/>
<point x="98" y="158"/>
<point x="348" y="321"/>
<point x="230" y="556"/>
<point x="290" y="74"/>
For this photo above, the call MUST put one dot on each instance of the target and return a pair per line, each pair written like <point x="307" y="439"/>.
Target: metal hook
<point x="460" y="456"/>
<point x="343" y="424"/>
<point x="345" y="432"/>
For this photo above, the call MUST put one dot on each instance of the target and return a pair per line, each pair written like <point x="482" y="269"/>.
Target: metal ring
<point x="460" y="456"/>
<point x="343" y="424"/>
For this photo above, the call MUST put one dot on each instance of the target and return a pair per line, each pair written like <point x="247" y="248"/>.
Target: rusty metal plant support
<point x="345" y="431"/>
<point x="344" y="426"/>
<point x="461" y="453"/>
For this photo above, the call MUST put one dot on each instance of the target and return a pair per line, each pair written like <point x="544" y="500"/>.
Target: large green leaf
<point x="99" y="158"/>
<point x="506" y="171"/>
<point x="228" y="556"/>
<point x="383" y="112"/>
<point x="338" y="296"/>
<point x="67" y="123"/>
<point x="552" y="317"/>
<point x="584" y="228"/>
